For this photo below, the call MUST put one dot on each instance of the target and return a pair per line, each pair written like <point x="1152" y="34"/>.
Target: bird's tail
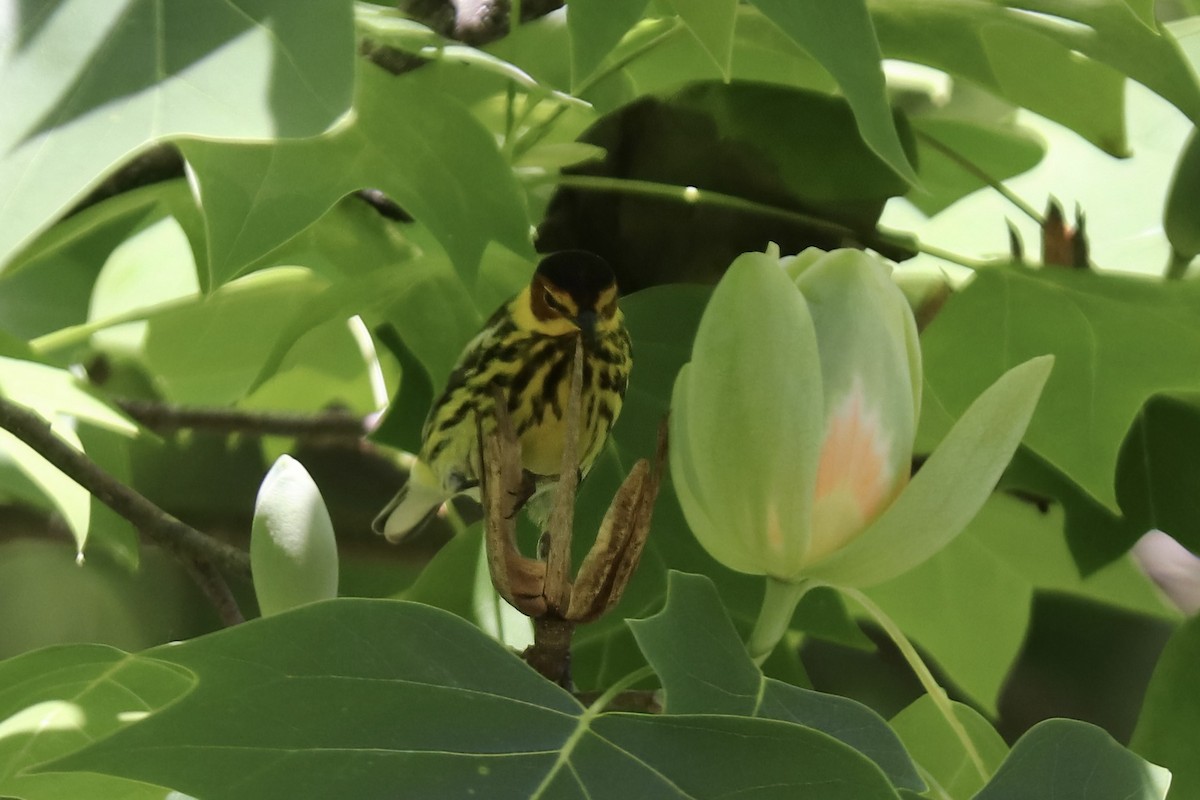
<point x="414" y="505"/>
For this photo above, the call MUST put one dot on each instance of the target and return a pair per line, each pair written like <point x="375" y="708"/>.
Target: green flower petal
<point x="949" y="489"/>
<point x="863" y="325"/>
<point x="751" y="406"/>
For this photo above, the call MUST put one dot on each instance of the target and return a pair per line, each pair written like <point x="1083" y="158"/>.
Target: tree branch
<point x="166" y="417"/>
<point x="199" y="552"/>
<point x="213" y="584"/>
<point x="473" y="22"/>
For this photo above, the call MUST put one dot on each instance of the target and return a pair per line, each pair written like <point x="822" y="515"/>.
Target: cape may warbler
<point x="525" y="351"/>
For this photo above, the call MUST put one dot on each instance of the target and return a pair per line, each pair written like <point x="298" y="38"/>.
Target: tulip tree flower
<point x="792" y="431"/>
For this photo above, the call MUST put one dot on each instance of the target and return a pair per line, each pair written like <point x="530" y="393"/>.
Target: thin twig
<point x="640" y="701"/>
<point x="936" y="693"/>
<point x="977" y="172"/>
<point x="880" y="239"/>
<point x="562" y="516"/>
<point x="213" y="584"/>
<point x="166" y="417"/>
<point x="180" y="539"/>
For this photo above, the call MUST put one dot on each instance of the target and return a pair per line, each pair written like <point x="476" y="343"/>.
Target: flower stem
<point x="778" y="606"/>
<point x="936" y="693"/>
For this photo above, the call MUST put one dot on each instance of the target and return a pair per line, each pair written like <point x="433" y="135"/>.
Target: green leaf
<point x="762" y="53"/>
<point x="57" y="700"/>
<point x="845" y="720"/>
<point x="1158" y="468"/>
<point x="94" y="787"/>
<point x="953" y="155"/>
<point x="754" y="188"/>
<point x="705" y="669"/>
<point x="1166" y="730"/>
<point x="447" y="580"/>
<point x="1070" y="760"/>
<point x="949" y="489"/>
<point x="1065" y="60"/>
<point x="108" y="531"/>
<point x="691" y="757"/>
<point x="407" y="138"/>
<point x="211" y="351"/>
<point x="335" y="303"/>
<point x="86" y="85"/>
<point x="995" y="50"/>
<point x="1179" y="217"/>
<point x="272" y="717"/>
<point x="933" y="744"/>
<point x="985" y="580"/>
<point x="328" y="367"/>
<point x="1117" y="340"/>
<point x="72" y="502"/>
<point x="830" y="173"/>
<point x="1095" y="534"/>
<point x="52" y="392"/>
<point x="50" y="286"/>
<point x="1029" y="541"/>
<point x="293" y="552"/>
<point x="842" y="38"/>
<point x="56" y="786"/>
<point x="404" y="419"/>
<point x="696" y="652"/>
<point x="945" y="602"/>
<point x="151" y="268"/>
<point x="712" y="23"/>
<point x="595" y="27"/>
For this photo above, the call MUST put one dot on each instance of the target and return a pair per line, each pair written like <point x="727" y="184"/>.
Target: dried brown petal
<point x="519" y="580"/>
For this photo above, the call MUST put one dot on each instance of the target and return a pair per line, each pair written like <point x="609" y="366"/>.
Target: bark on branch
<point x="203" y="556"/>
<point x="166" y="417"/>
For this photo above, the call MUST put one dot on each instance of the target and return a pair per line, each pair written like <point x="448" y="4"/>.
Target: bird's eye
<point x="550" y="301"/>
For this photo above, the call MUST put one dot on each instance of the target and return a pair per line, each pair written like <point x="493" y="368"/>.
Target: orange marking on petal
<point x="855" y="478"/>
<point x="855" y="454"/>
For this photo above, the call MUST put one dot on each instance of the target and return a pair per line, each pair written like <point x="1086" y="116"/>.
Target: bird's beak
<point x="586" y="322"/>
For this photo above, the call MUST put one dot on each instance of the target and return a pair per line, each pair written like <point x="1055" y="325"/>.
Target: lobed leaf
<point x="941" y="754"/>
<point x="1116" y="339"/>
<point x="595" y="28"/>
<point x="57" y="700"/>
<point x="705" y="669"/>
<point x="842" y="39"/>
<point x="1068" y="760"/>
<point x="713" y="26"/>
<point x="409" y="139"/>
<point x="401" y="700"/>
<point x="87" y="85"/>
<point x="1166" y="732"/>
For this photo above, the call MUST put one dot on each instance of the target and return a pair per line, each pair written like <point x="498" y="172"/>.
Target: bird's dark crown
<point x="581" y="274"/>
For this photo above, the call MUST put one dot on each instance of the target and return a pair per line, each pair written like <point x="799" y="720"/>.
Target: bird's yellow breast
<point x="528" y="361"/>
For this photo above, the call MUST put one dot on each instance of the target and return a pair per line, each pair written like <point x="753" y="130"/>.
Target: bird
<point x="525" y="352"/>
